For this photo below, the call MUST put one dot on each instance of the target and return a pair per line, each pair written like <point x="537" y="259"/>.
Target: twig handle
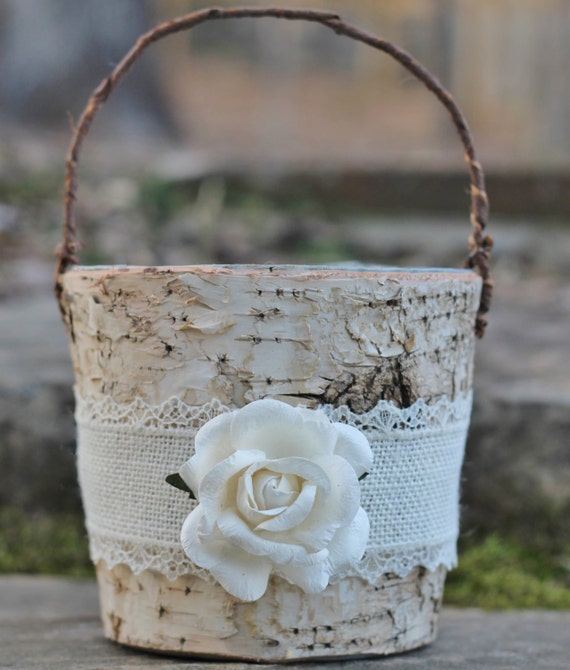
<point x="479" y="243"/>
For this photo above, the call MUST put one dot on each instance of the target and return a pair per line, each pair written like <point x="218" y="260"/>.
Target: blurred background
<point x="264" y="140"/>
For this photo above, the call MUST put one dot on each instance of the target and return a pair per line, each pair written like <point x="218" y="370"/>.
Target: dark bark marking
<point x="116" y="624"/>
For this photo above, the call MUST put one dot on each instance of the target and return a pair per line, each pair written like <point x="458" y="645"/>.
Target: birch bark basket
<point x="311" y="336"/>
<point x="308" y="337"/>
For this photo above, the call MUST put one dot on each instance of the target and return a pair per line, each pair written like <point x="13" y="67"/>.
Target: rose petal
<point x="281" y="430"/>
<point x="302" y="467"/>
<point x="240" y="574"/>
<point x="354" y="447"/>
<point x="344" y="498"/>
<point x="329" y="514"/>
<point x="258" y="477"/>
<point x="246" y="503"/>
<point x="217" y="488"/>
<point x="312" y="415"/>
<point x="216" y="431"/>
<point x="270" y="489"/>
<point x="189" y="474"/>
<point x="191" y="529"/>
<point x="349" y="543"/>
<point x="346" y="548"/>
<point x="211" y="445"/>
<point x="315" y="542"/>
<point x="276" y="489"/>
<point x="294" y="514"/>
<point x="312" y="578"/>
<point x="235" y="529"/>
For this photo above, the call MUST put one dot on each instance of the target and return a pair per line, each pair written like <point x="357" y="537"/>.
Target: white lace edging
<point x="174" y="415"/>
<point x="133" y="517"/>
<point x="172" y="562"/>
<point x="377" y="562"/>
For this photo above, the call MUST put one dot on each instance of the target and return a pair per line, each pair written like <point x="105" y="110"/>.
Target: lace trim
<point x="168" y="559"/>
<point x="172" y="562"/>
<point x="133" y="517"/>
<point x="387" y="420"/>
<point x="174" y="415"/>
<point x="377" y="562"/>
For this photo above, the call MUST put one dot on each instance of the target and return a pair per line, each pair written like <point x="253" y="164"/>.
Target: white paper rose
<point x="278" y="490"/>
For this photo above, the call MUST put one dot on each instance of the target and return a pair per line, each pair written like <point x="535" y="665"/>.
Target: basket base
<point x="190" y="617"/>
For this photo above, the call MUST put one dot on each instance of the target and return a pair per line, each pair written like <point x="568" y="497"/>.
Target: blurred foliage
<point x="31" y="188"/>
<point x="161" y="199"/>
<point x="322" y="253"/>
<point x="43" y="544"/>
<point x="497" y="574"/>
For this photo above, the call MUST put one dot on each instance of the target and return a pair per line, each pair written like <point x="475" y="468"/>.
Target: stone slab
<point x="49" y="623"/>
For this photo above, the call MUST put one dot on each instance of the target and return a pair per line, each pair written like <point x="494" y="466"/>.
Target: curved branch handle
<point x="479" y="243"/>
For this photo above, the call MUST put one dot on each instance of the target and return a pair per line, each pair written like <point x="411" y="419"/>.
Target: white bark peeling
<point x="242" y="334"/>
<point x="192" y="617"/>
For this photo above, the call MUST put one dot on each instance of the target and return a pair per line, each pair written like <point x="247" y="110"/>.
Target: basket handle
<point x="480" y="244"/>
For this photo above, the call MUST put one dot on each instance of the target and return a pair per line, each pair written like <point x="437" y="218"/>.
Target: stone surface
<point x="37" y="463"/>
<point x="517" y="465"/>
<point x="48" y="623"/>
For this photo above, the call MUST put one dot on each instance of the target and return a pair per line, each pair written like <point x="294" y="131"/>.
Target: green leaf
<point x="176" y="480"/>
<point x="363" y="476"/>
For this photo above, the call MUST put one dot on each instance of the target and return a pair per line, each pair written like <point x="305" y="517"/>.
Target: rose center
<point x="273" y="489"/>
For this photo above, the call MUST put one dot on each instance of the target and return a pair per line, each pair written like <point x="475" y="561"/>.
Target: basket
<point x="331" y="403"/>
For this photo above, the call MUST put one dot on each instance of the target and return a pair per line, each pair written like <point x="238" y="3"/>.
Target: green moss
<point x="43" y="544"/>
<point x="499" y="575"/>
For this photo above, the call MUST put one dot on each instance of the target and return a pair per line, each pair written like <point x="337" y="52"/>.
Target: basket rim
<point x="291" y="270"/>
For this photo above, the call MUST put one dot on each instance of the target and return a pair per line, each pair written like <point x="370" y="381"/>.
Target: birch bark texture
<point x="341" y="337"/>
<point x="309" y="336"/>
